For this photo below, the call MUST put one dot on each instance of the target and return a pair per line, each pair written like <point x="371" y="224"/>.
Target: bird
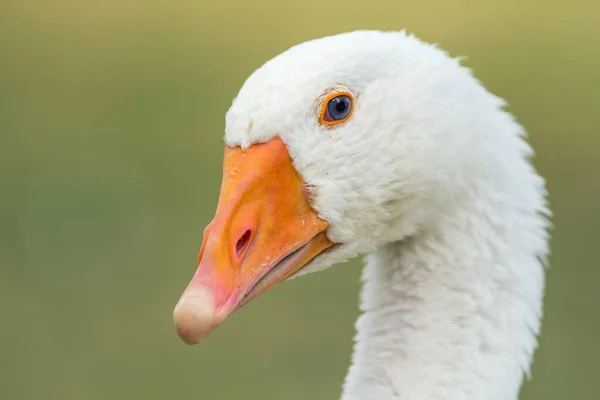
<point x="377" y="143"/>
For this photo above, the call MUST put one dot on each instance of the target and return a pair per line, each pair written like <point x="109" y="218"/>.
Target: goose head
<point x="334" y="148"/>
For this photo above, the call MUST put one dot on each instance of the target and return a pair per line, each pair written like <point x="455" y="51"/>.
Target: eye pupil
<point x="339" y="107"/>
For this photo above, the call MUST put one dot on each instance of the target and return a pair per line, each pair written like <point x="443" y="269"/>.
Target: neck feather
<point x="453" y="313"/>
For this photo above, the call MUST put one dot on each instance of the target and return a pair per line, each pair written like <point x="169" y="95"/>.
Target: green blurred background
<point x="111" y="124"/>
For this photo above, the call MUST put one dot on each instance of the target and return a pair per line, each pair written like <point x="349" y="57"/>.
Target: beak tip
<point x="191" y="338"/>
<point x="194" y="316"/>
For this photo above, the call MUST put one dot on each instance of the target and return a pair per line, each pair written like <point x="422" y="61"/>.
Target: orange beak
<point x="264" y="231"/>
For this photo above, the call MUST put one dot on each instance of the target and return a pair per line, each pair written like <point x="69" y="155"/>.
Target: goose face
<point x="333" y="148"/>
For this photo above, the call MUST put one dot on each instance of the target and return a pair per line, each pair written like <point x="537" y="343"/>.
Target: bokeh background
<point x="111" y="124"/>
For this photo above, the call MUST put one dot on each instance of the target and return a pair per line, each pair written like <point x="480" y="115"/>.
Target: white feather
<point x="432" y="177"/>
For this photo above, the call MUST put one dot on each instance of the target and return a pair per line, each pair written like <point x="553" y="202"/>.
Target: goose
<point x="379" y="144"/>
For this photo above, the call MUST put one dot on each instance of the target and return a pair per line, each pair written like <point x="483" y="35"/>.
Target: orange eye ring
<point x="325" y="118"/>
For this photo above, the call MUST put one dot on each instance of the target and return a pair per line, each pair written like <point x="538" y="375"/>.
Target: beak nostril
<point x="242" y="243"/>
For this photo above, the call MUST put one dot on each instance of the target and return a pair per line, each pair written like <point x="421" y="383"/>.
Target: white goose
<point x="373" y="142"/>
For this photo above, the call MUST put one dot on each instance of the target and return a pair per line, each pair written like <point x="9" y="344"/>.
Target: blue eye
<point x="337" y="109"/>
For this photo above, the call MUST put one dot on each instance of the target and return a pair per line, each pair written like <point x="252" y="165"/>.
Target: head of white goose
<point x="377" y="143"/>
